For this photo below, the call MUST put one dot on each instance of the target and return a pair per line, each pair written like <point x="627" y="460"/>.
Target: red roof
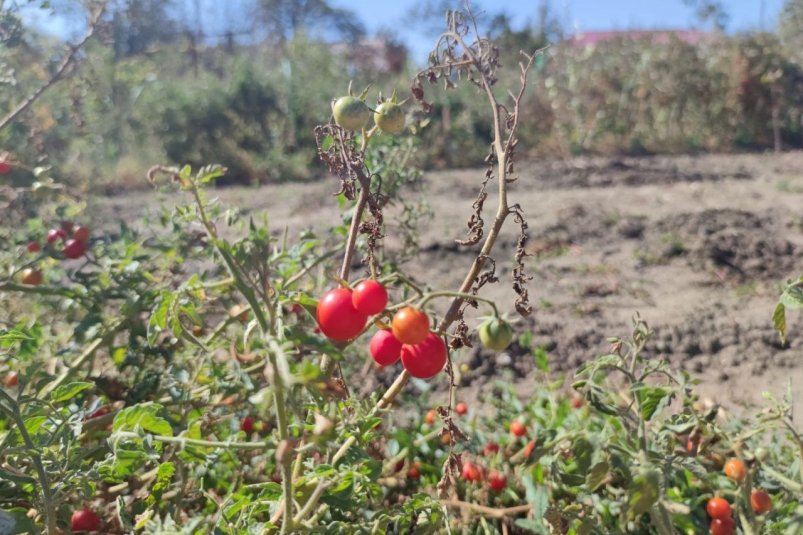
<point x="660" y="37"/>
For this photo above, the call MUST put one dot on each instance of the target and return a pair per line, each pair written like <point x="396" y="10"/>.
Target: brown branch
<point x="490" y="512"/>
<point x="60" y="70"/>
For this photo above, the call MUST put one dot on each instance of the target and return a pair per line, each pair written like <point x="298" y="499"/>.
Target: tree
<point x="283" y="19"/>
<point x="137" y="25"/>
<point x="790" y="29"/>
<point x="710" y="10"/>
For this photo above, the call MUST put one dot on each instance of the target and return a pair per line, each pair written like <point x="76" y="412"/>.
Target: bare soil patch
<point x="699" y="246"/>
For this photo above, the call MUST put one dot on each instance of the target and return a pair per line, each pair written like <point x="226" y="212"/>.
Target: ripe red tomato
<point x="735" y="469"/>
<point x="722" y="526"/>
<point x="247" y="425"/>
<point x="415" y="471"/>
<point x="11" y="379"/>
<point x="497" y="480"/>
<point x="528" y="449"/>
<point x="55" y="234"/>
<point x="81" y="234"/>
<point x="369" y="297"/>
<point x="385" y="349"/>
<point x="33" y="247"/>
<point x="517" y="428"/>
<point x="5" y="167"/>
<point x="471" y="472"/>
<point x="461" y="408"/>
<point x="337" y="317"/>
<point x="577" y="402"/>
<point x="425" y="359"/>
<point x="429" y="419"/>
<point x="85" y="520"/>
<point x="410" y="325"/>
<point x="490" y="448"/>
<point x="32" y="277"/>
<point x="718" y="507"/>
<point x="760" y="501"/>
<point x="74" y="249"/>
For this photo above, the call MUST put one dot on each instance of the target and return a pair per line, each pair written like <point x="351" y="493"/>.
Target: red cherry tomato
<point x="760" y="501"/>
<point x="735" y="469"/>
<point x="528" y="449"/>
<point x="5" y="167"/>
<point x="471" y="472"/>
<point x="415" y="471"/>
<point x="31" y="277"/>
<point x="81" y="234"/>
<point x="410" y="325"/>
<point x="425" y="359"/>
<point x="429" y="419"/>
<point x="85" y="520"/>
<point x="517" y="428"/>
<point x="11" y="379"/>
<point x="385" y="349"/>
<point x="718" y="507"/>
<point x="247" y="425"/>
<point x="33" y="247"/>
<point x="490" y="448"/>
<point x="722" y="526"/>
<point x="577" y="402"/>
<point x="461" y="408"/>
<point x="55" y="234"/>
<point x="370" y="297"/>
<point x="497" y="481"/>
<point x="74" y="249"/>
<point x="337" y="317"/>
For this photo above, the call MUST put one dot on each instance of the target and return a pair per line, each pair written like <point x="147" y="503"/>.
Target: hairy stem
<point x="47" y="493"/>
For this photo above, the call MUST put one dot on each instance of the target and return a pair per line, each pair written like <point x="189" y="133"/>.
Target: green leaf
<point x="143" y="416"/>
<point x="792" y="296"/>
<point x="541" y="359"/>
<point x="69" y="391"/>
<point x="651" y="399"/>
<point x="158" y="320"/>
<point x="538" y="498"/>
<point x="779" y="320"/>
<point x="597" y="475"/>
<point x="644" y="492"/>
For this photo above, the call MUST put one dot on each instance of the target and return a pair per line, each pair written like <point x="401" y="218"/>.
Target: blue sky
<point x="575" y="14"/>
<point x="580" y="15"/>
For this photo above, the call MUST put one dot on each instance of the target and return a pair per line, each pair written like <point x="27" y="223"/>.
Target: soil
<point x="698" y="246"/>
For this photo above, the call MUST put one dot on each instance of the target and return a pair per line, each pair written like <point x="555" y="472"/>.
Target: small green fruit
<point x="389" y="117"/>
<point x="496" y="334"/>
<point x="351" y="113"/>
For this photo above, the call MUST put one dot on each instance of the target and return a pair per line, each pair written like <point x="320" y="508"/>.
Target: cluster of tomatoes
<point x="718" y="508"/>
<point x="352" y="113"/>
<point x="342" y="315"/>
<point x="473" y="471"/>
<point x="74" y="243"/>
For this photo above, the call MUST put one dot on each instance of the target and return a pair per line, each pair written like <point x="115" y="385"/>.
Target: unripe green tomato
<point x="496" y="334"/>
<point x="351" y="113"/>
<point x="761" y="454"/>
<point x="389" y="117"/>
